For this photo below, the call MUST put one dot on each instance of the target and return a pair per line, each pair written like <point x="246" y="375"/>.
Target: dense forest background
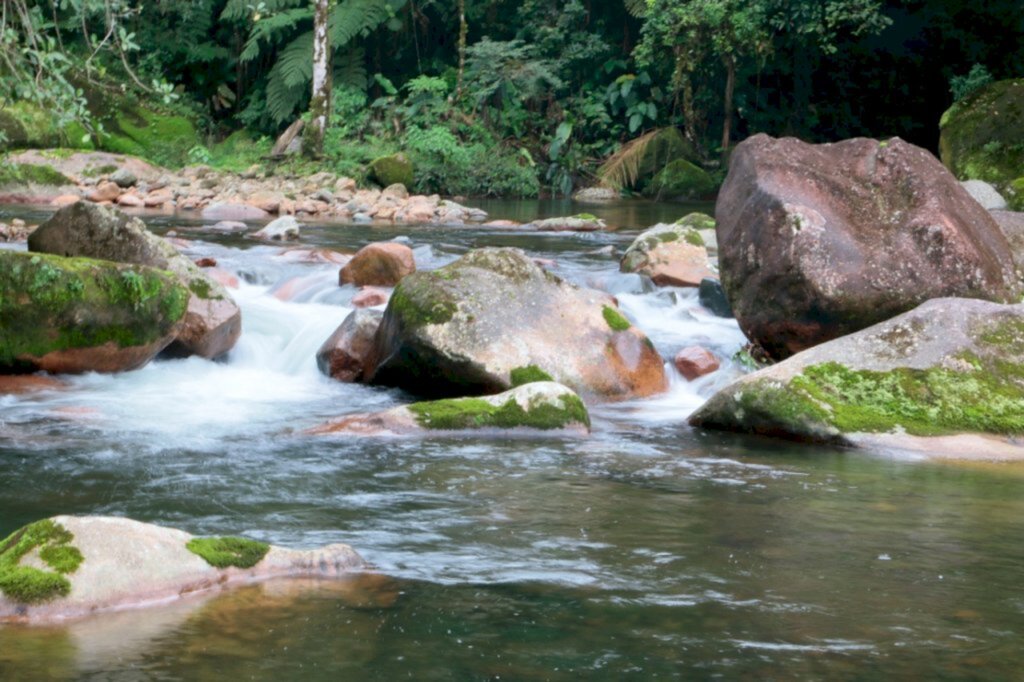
<point x="498" y="96"/>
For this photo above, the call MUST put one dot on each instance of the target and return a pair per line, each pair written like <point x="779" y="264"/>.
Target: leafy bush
<point x="962" y="86"/>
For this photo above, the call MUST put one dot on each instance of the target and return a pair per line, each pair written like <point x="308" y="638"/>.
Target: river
<point x="646" y="551"/>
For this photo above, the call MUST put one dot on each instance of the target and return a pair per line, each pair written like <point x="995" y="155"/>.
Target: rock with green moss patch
<point x="681" y="179"/>
<point x="819" y="241"/>
<point x="213" y="321"/>
<point x="464" y="328"/>
<point x="391" y="170"/>
<point x="72" y="315"/>
<point x="535" y="407"/>
<point x="70" y="566"/>
<point x="951" y="366"/>
<point x="982" y="136"/>
<point x="671" y="254"/>
<point x="582" y="222"/>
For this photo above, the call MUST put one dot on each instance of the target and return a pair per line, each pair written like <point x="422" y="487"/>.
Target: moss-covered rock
<point x="52" y="544"/>
<point x="950" y="366"/>
<point x="213" y="321"/>
<point x="464" y="328"/>
<point x="681" y="179"/>
<point x="225" y="552"/>
<point x="67" y="315"/>
<point x="1015" y="195"/>
<point x="390" y="170"/>
<point x="982" y="136"/>
<point x="31" y="174"/>
<point x="537" y="406"/>
<point x="671" y="254"/>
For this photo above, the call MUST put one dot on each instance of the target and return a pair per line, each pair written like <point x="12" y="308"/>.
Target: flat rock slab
<point x="128" y="564"/>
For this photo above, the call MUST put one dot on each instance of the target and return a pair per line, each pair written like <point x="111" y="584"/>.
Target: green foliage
<point x="962" y="86"/>
<point x="30" y="585"/>
<point x="225" y="552"/>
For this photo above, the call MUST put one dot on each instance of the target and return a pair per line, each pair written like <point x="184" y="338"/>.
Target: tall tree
<point x="320" y="102"/>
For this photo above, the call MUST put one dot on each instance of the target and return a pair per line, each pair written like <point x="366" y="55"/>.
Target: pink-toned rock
<point x="500" y="224"/>
<point x="266" y="201"/>
<point x="368" y="297"/>
<point x="345" y="185"/>
<point x="223" y="277"/>
<point x="158" y="198"/>
<point x="820" y="241"/>
<point x="130" y="201"/>
<point x="18" y="384"/>
<point x="343" y="356"/>
<point x="233" y="211"/>
<point x="314" y="256"/>
<point x="695" y="362"/>
<point x="104" y="191"/>
<point x="380" y="264"/>
<point x="65" y="200"/>
<point x="287" y="207"/>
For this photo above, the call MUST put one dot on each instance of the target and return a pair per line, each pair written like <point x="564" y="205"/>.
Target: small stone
<point x="285" y="228"/>
<point x="105" y="191"/>
<point x="130" y="201"/>
<point x="206" y="262"/>
<point x="123" y="177"/>
<point x="694" y="362"/>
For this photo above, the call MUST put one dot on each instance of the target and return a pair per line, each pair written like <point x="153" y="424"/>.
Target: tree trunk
<point x="320" y="104"/>
<point x="463" y="32"/>
<point x="730" y="87"/>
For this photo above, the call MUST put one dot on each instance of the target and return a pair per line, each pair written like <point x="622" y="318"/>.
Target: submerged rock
<point x="948" y="367"/>
<point x="818" y="241"/>
<point x="467" y="327"/>
<point x="67" y="566"/>
<point x="583" y="222"/>
<point x="379" y="264"/>
<point x="671" y="254"/>
<point x="540" y="407"/>
<point x="712" y="296"/>
<point x="213" y="321"/>
<point x="73" y="315"/>
<point x="344" y="354"/>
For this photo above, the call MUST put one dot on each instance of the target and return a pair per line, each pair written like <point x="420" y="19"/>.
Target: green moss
<point x="681" y="179"/>
<point x="49" y="303"/>
<point x="390" y="170"/>
<point x="200" y="287"/>
<point x="615" y="319"/>
<point x="510" y="263"/>
<point x="227" y="551"/>
<point x="30" y="173"/>
<point x="1015" y="195"/>
<point x="983" y="135"/>
<point x="927" y="402"/>
<point x="420" y="300"/>
<point x="693" y="237"/>
<point x="697" y="221"/>
<point x="474" y="413"/>
<point x="239" y="150"/>
<point x="31" y="585"/>
<point x="106" y="169"/>
<point x="162" y="138"/>
<point x="528" y="375"/>
<point x="590" y="217"/>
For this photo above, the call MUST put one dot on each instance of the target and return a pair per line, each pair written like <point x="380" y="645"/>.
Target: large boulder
<point x="72" y="315"/>
<point x="379" y="264"/>
<point x="1012" y="225"/>
<point x="538" y="407"/>
<point x="981" y="134"/>
<point x="213" y="321"/>
<point x="818" y="241"/>
<point x="68" y="566"/>
<point x="390" y="170"/>
<point x="671" y="254"/>
<point x="468" y="327"/>
<point x="681" y="179"/>
<point x="343" y="355"/>
<point x="950" y="366"/>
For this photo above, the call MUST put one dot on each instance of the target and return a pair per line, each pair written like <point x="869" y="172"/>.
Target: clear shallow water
<point x="645" y="551"/>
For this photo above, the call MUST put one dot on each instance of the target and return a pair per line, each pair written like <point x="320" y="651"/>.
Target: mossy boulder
<point x="390" y="170"/>
<point x="16" y="174"/>
<point x="539" y="407"/>
<point x="982" y="136"/>
<point x="681" y="179"/>
<point x="68" y="566"/>
<point x="25" y="124"/>
<point x="819" y="241"/>
<point x="950" y="366"/>
<point x="671" y="254"/>
<point x="213" y="321"/>
<point x="71" y="315"/>
<point x="465" y="328"/>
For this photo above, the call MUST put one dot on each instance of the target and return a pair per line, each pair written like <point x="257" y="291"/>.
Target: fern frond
<point x="353" y="18"/>
<point x="271" y="29"/>
<point x="642" y="156"/>
<point x="238" y="10"/>
<point x="296" y="61"/>
<point x="638" y="8"/>
<point x="350" y="68"/>
<point x="282" y="99"/>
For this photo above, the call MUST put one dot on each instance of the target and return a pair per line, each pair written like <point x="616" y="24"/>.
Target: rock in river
<point x="467" y="327"/>
<point x="671" y="254"/>
<point x="949" y="367"/>
<point x="343" y="355"/>
<point x="213" y="321"/>
<point x="381" y="264"/>
<point x="72" y="315"/>
<point x="818" y="241"/>
<point x="533" y="408"/>
<point x="69" y="566"/>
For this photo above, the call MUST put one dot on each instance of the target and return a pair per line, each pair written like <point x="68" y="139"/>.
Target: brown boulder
<point x="379" y="264"/>
<point x="65" y="200"/>
<point x="343" y="356"/>
<point x="694" y="362"/>
<point x="819" y="241"/>
<point x="105" y="191"/>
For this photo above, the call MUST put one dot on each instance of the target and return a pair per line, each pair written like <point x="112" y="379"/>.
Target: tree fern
<point x="239" y="10"/>
<point x="638" y="8"/>
<point x="272" y="29"/>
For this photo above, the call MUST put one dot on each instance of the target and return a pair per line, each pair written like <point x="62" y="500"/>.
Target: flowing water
<point x="647" y="550"/>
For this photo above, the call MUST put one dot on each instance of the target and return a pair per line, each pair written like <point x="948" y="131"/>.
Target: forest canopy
<point x="539" y="93"/>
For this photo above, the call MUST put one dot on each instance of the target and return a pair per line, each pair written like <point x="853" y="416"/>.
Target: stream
<point x="646" y="551"/>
